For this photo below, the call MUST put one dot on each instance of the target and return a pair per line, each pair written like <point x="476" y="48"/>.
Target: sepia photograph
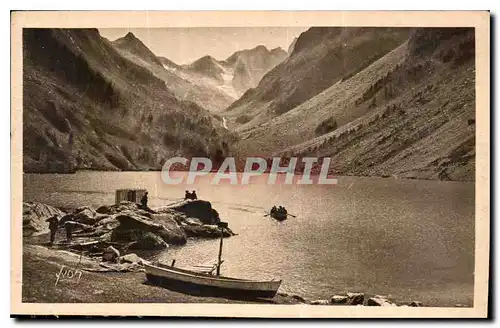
<point x="319" y="168"/>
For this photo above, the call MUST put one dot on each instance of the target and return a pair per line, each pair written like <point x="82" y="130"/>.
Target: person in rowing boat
<point x="273" y="210"/>
<point x="193" y="195"/>
<point x="187" y="195"/>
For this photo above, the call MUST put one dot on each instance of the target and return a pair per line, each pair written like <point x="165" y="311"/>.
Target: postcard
<point x="250" y="164"/>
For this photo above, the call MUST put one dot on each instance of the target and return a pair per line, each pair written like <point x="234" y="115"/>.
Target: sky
<point x="185" y="45"/>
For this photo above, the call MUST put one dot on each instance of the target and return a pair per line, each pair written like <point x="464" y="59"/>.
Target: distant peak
<point x="206" y="57"/>
<point x="130" y="35"/>
<point x="261" y="48"/>
<point x="278" y="49"/>
<point x="127" y="39"/>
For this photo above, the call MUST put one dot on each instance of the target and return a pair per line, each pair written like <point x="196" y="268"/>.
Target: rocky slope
<point x="409" y="113"/>
<point x="321" y="57"/>
<point x="249" y="66"/>
<point x="176" y="79"/>
<point x="87" y="106"/>
<point x="210" y="83"/>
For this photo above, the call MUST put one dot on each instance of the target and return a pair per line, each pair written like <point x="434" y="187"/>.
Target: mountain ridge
<point x="87" y="107"/>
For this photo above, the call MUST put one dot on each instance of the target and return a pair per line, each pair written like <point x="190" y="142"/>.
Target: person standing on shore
<point x="144" y="200"/>
<point x="53" y="225"/>
<point x="69" y="226"/>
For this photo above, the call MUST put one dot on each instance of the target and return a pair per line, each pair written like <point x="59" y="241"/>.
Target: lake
<point x="408" y="239"/>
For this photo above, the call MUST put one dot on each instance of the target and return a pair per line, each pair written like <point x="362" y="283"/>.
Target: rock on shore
<point x="198" y="209"/>
<point x="34" y="216"/>
<point x="128" y="225"/>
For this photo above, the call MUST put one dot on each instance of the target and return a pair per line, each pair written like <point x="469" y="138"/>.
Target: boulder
<point x="117" y="208"/>
<point x="177" y="216"/>
<point x="379" y="301"/>
<point x="149" y="240"/>
<point x="299" y="298"/>
<point x="355" y="298"/>
<point x="86" y="215"/>
<point x="193" y="222"/>
<point x="320" y="302"/>
<point x="171" y="232"/>
<point x="198" y="209"/>
<point x="35" y="216"/>
<point x="131" y="220"/>
<point x="138" y="239"/>
<point x="77" y="226"/>
<point x="416" y="304"/>
<point x="110" y="254"/>
<point x="90" y="246"/>
<point x="339" y="299"/>
<point x="132" y="258"/>
<point x="108" y="223"/>
<point x="160" y="224"/>
<point x="206" y="231"/>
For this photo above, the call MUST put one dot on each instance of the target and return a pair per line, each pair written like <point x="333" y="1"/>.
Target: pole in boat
<point x="221" y="226"/>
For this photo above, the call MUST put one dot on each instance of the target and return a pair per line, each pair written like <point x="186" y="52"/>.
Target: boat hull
<point x="279" y="216"/>
<point x="200" y="284"/>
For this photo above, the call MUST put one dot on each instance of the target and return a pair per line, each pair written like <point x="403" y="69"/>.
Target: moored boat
<point x="202" y="279"/>
<point x="199" y="283"/>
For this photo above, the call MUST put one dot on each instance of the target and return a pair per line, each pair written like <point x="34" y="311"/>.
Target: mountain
<point x="135" y="47"/>
<point x="235" y="75"/>
<point x="87" y="106"/>
<point x="207" y="66"/>
<point x="384" y="102"/>
<point x="249" y="66"/>
<point x="292" y="46"/>
<point x="321" y="57"/>
<point x="210" y="83"/>
<point x="167" y="63"/>
<point x="183" y="84"/>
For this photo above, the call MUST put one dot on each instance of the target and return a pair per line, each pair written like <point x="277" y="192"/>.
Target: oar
<point x="267" y="214"/>
<point x="294" y="216"/>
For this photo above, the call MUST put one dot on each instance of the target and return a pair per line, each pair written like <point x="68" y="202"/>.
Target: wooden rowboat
<point x="279" y="215"/>
<point x="201" y="283"/>
<point x="202" y="279"/>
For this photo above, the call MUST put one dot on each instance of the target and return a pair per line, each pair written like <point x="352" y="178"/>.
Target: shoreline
<point x="37" y="256"/>
<point x="41" y="265"/>
<point x="41" y="284"/>
<point x="393" y="177"/>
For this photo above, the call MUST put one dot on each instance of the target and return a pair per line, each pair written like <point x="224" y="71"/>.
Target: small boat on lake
<point x="202" y="280"/>
<point x="279" y="213"/>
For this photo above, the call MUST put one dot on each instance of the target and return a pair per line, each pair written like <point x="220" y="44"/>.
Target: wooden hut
<point x="131" y="195"/>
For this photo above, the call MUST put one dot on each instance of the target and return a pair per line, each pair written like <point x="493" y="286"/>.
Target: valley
<point x="391" y="102"/>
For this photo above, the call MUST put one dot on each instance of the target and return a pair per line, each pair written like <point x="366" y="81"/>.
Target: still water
<point x="409" y="239"/>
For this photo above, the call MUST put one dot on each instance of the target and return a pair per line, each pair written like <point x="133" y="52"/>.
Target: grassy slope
<point x="87" y="106"/>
